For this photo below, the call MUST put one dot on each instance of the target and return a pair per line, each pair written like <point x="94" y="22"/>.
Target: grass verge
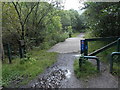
<point x="21" y="71"/>
<point x="87" y="69"/>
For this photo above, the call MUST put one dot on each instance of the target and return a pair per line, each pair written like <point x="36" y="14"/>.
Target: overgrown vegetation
<point x="26" y="69"/>
<point x="87" y="69"/>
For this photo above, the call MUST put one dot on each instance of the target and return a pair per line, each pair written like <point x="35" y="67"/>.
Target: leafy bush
<point x="61" y="38"/>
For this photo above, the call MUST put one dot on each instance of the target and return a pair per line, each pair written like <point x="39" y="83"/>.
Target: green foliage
<point x="71" y="18"/>
<point x="65" y="18"/>
<point x="69" y="28"/>
<point x="87" y="69"/>
<point x="39" y="24"/>
<point x="102" y="18"/>
<point x="26" y="69"/>
<point x="54" y="32"/>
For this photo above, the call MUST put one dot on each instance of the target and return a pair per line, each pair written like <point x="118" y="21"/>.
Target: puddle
<point x="77" y="56"/>
<point x="68" y="74"/>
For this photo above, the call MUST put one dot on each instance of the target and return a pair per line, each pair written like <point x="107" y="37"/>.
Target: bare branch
<point x="29" y="13"/>
<point x="15" y="5"/>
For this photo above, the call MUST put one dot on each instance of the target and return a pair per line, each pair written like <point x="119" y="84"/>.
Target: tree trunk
<point x="2" y="49"/>
<point x="23" y="32"/>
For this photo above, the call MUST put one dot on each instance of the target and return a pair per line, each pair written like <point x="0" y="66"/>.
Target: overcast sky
<point x="72" y="4"/>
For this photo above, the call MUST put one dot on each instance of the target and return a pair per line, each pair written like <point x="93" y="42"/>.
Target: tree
<point x="71" y="18"/>
<point x="40" y="19"/>
<point x="103" y="18"/>
<point x="28" y="22"/>
<point x="65" y="18"/>
<point x="22" y="15"/>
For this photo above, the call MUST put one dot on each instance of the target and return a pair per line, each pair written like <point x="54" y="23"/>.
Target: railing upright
<point x="118" y="45"/>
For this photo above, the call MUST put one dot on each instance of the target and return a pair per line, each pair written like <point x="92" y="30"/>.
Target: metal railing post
<point x="111" y="64"/>
<point x="118" y="45"/>
<point x="90" y="57"/>
<point x="86" y="48"/>
<point x="111" y="60"/>
<point x="98" y="64"/>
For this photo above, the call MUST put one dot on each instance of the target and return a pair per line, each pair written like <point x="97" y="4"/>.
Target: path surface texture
<point x="69" y="46"/>
<point x="61" y="74"/>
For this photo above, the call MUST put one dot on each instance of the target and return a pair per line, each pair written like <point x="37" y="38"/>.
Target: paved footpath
<point x="70" y="45"/>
